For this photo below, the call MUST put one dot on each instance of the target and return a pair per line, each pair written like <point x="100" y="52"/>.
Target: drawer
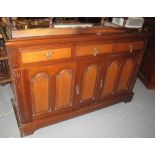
<point x="94" y="50"/>
<point x="130" y="46"/>
<point x="45" y="55"/>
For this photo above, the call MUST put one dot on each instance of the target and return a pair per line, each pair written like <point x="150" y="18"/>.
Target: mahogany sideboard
<point x="147" y="69"/>
<point x="58" y="77"/>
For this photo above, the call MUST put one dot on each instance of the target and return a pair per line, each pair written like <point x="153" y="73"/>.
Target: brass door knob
<point x="77" y="90"/>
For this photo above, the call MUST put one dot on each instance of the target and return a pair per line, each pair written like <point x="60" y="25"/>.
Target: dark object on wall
<point x="4" y="67"/>
<point x="147" y="69"/>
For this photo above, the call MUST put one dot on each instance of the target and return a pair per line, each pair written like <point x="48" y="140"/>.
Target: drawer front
<point x="45" y="55"/>
<point x="94" y="50"/>
<point x="129" y="46"/>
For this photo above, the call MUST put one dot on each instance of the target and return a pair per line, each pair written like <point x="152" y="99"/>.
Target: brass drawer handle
<point x="130" y="48"/>
<point x="96" y="51"/>
<point x="77" y="90"/>
<point x="48" y="54"/>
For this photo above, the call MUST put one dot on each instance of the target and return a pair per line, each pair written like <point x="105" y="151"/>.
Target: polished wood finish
<point x="49" y="91"/>
<point x="45" y="55"/>
<point x="110" y="79"/>
<point x="39" y="83"/>
<point x="130" y="46"/>
<point x="89" y="81"/>
<point x="94" y="49"/>
<point x="64" y="88"/>
<point x="147" y="69"/>
<point x="88" y="77"/>
<point x="40" y="87"/>
<point x="65" y="31"/>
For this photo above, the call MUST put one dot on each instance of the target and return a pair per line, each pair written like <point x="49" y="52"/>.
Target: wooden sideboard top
<point x="68" y="38"/>
<point x="63" y="31"/>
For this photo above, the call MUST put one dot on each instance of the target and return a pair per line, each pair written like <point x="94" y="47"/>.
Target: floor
<point x="135" y="119"/>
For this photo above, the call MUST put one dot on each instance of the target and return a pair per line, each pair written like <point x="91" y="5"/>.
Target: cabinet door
<point x="118" y="75"/>
<point x="41" y="91"/>
<point x="109" y="76"/>
<point x="52" y="89"/>
<point x="127" y="74"/>
<point x="136" y="60"/>
<point x="86" y="88"/>
<point x="64" y="75"/>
